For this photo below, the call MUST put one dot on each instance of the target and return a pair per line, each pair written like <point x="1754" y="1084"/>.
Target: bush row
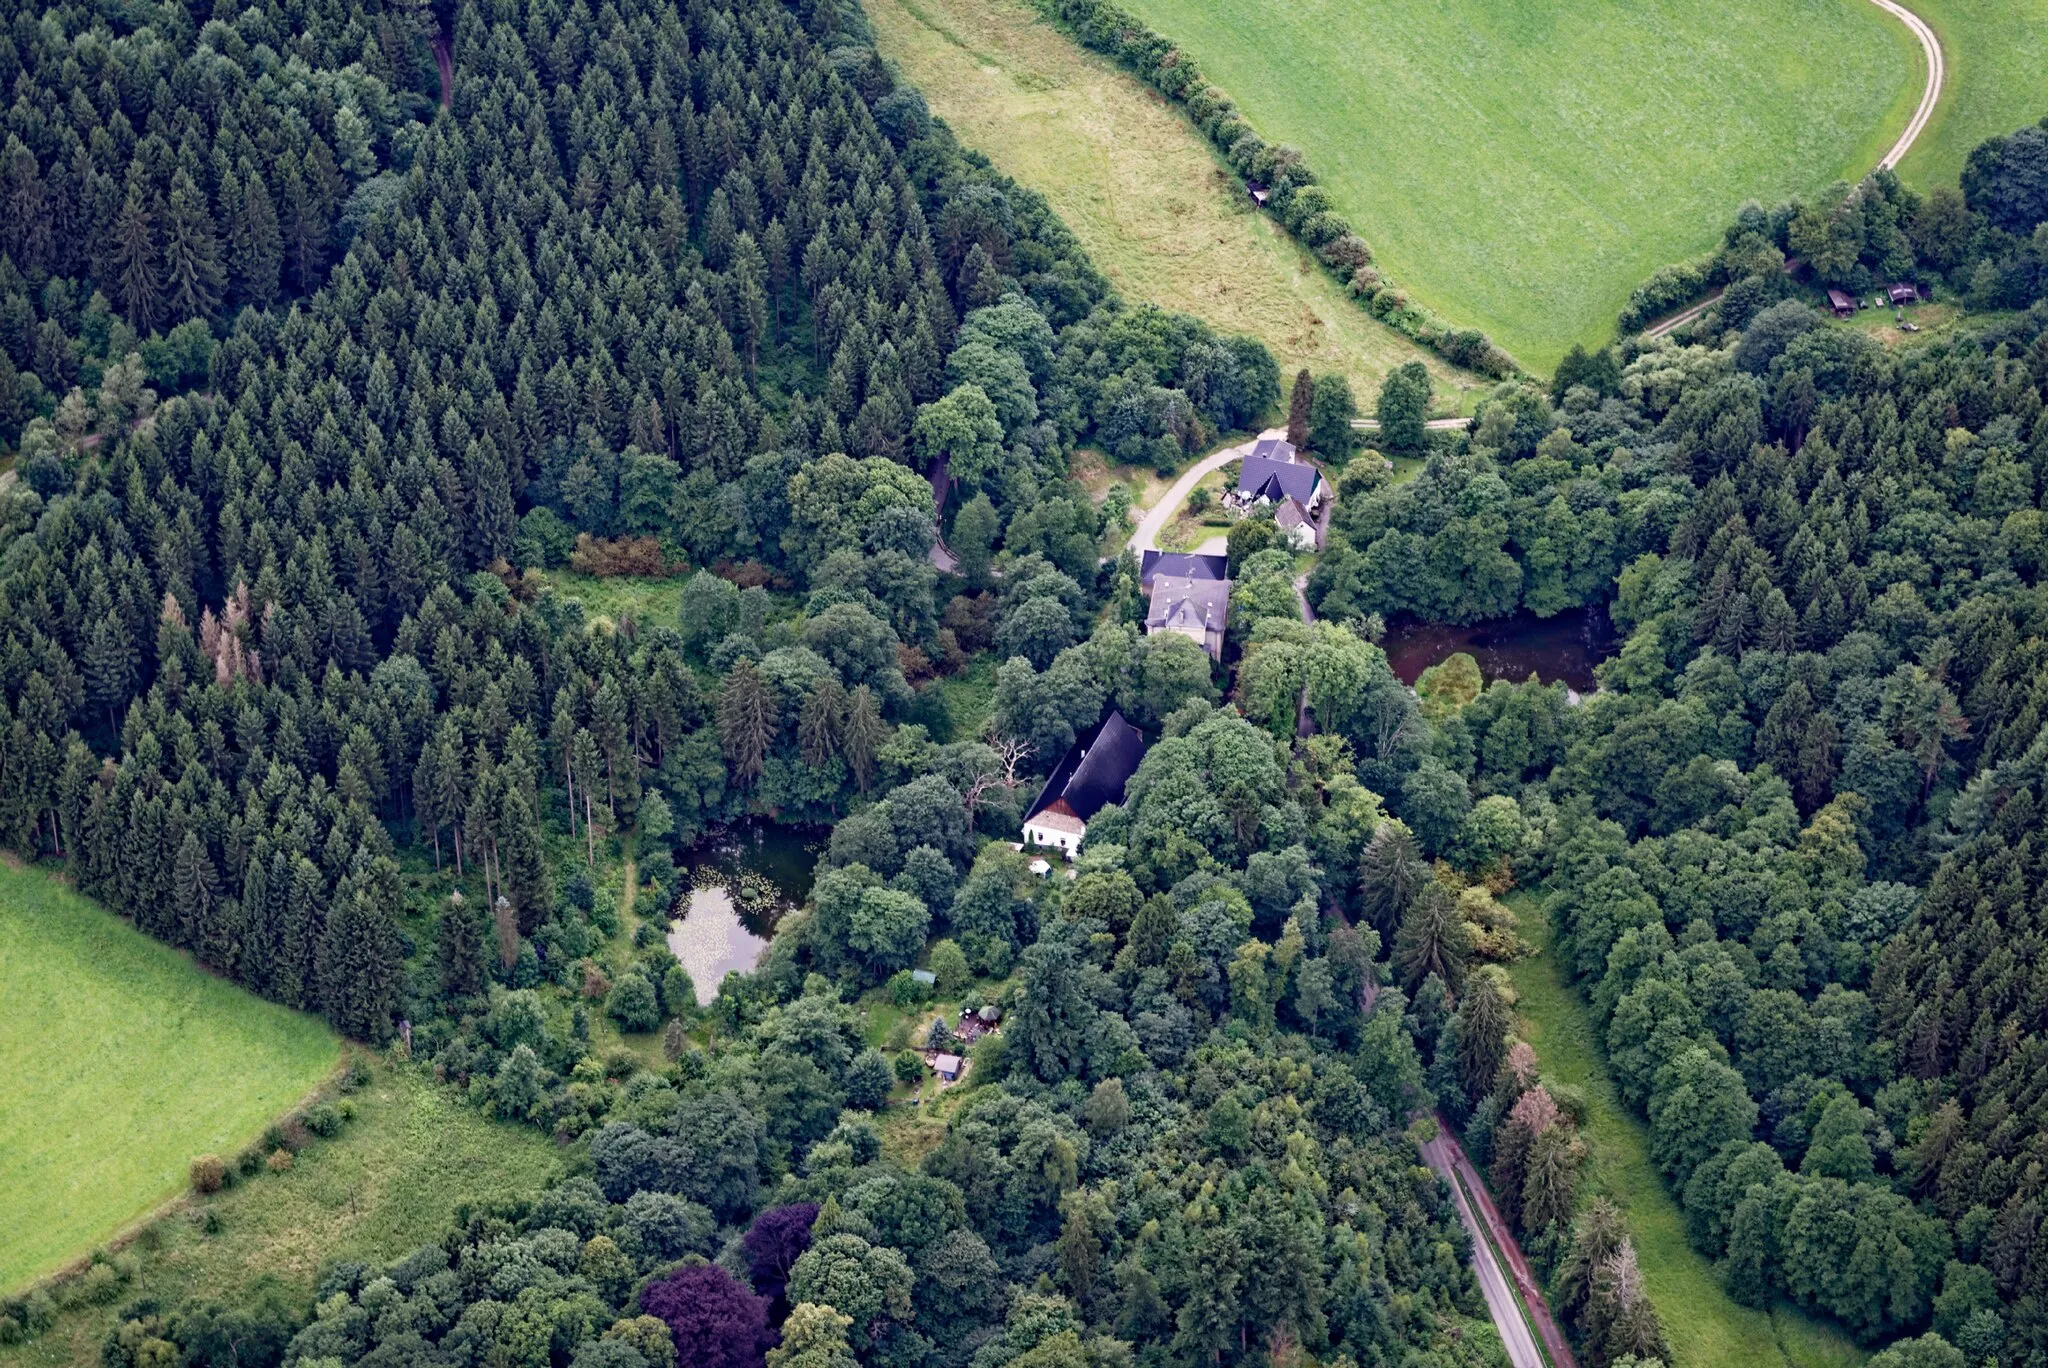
<point x="106" y="1274"/>
<point x="1671" y="288"/>
<point x="1300" y="204"/>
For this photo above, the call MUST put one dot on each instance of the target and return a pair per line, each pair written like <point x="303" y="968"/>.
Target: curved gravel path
<point x="1923" y="114"/>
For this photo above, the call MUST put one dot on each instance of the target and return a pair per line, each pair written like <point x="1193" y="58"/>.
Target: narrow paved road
<point x="1442" y="1154"/>
<point x="1923" y="114"/>
<point x="1510" y="1250"/>
<point x="1146" y="536"/>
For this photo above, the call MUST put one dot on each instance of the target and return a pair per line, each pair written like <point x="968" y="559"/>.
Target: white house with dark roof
<point x="1198" y="609"/>
<point x="1272" y="472"/>
<point x="1089" y="778"/>
<point x="1298" y="525"/>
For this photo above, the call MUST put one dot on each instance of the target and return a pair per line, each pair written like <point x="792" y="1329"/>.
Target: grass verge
<point x="123" y="1061"/>
<point x="1158" y="212"/>
<point x="388" y="1183"/>
<point x="1704" y="1325"/>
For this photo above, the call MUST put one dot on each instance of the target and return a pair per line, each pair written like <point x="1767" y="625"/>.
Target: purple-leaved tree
<point x="716" y="1322"/>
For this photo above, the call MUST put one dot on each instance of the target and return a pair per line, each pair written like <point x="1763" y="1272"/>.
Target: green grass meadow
<point x="1705" y="1327"/>
<point x="1156" y="208"/>
<point x="387" y="1184"/>
<point x="1521" y="165"/>
<point x="1997" y="52"/>
<point x="122" y="1061"/>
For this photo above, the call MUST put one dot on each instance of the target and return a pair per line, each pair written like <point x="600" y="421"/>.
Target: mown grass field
<point x="1521" y="165"/>
<point x="1997" y="51"/>
<point x="1705" y="1327"/>
<point x="1155" y="208"/>
<point x="387" y="1184"/>
<point x="122" y="1061"/>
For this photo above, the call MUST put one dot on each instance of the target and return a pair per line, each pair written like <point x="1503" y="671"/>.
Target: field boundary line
<point x="126" y="1235"/>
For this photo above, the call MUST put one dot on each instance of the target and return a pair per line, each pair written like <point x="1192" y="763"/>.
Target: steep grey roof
<point x="1274" y="449"/>
<point x="1181" y="603"/>
<point x="1092" y="775"/>
<point x="1262" y="478"/>
<point x="1183" y="564"/>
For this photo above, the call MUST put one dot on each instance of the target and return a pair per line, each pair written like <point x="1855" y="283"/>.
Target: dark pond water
<point x="743" y="878"/>
<point x="1557" y="649"/>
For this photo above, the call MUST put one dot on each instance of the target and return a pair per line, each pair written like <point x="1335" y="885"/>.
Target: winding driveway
<point x="1146" y="535"/>
<point x="1923" y="114"/>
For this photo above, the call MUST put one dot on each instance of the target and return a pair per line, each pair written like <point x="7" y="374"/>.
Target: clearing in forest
<point x="123" y="1061"/>
<point x="1156" y="209"/>
<point x="1521" y="165"/>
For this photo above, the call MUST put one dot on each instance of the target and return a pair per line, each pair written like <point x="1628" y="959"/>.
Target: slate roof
<point x="1182" y="564"/>
<point x="1179" y="603"/>
<point x="1092" y="775"/>
<point x="1274" y="449"/>
<point x="1263" y="478"/>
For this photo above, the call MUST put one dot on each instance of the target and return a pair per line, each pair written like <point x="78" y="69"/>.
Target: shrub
<point x="209" y="1175"/>
<point x="280" y="1161"/>
<point x="248" y="1161"/>
<point x="909" y="1066"/>
<point x="324" y="1120"/>
<point x="633" y="1004"/>
<point x="604" y="557"/>
<point x="97" y="1286"/>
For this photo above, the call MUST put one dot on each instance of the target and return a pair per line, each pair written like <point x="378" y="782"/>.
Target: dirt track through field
<point x="1923" y="114"/>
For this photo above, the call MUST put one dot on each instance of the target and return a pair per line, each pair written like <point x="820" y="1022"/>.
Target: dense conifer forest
<point x="317" y="376"/>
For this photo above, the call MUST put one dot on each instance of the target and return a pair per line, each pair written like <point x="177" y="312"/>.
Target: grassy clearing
<point x="1996" y="51"/>
<point x="620" y="596"/>
<point x="1156" y="209"/>
<point x="387" y="1184"/>
<point x="1521" y="165"/>
<point x="122" y="1061"/>
<point x="1706" y="1328"/>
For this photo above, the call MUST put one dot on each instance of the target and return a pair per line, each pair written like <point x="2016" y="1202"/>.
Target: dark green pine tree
<point x="109" y="658"/>
<point x="1297" y="409"/>
<point x="258" y="246"/>
<point x="135" y="262"/>
<point x="360" y="962"/>
<point x="459" y="950"/>
<point x="522" y="864"/>
<point x="300" y="923"/>
<point x="193" y="278"/>
<point x="196" y="886"/>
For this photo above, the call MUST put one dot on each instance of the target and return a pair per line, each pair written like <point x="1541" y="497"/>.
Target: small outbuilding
<point x="1841" y="303"/>
<point x="947" y="1067"/>
<point x="1902" y="293"/>
<point x="1259" y="193"/>
<point x="924" y="977"/>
